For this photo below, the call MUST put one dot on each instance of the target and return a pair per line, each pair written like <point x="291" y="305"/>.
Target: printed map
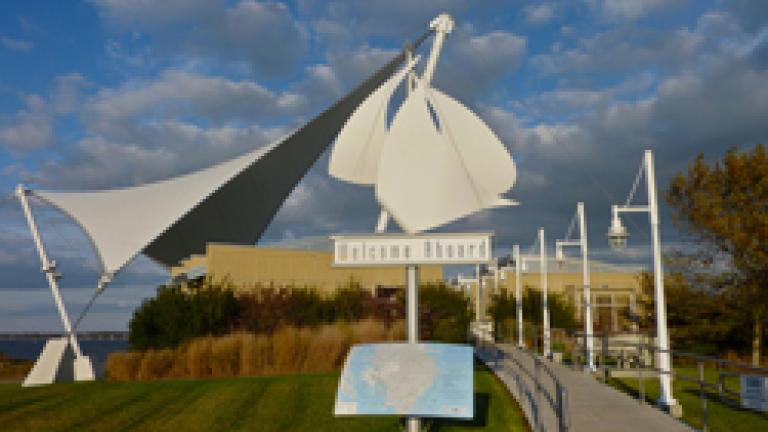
<point x="419" y="380"/>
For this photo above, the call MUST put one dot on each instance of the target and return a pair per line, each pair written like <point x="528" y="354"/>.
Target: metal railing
<point x="635" y="354"/>
<point x="551" y="391"/>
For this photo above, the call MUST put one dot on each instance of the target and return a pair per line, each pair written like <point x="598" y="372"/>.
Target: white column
<point x="663" y="356"/>
<point x="588" y="330"/>
<point x="518" y="295"/>
<point x="412" y="318"/>
<point x="544" y="291"/>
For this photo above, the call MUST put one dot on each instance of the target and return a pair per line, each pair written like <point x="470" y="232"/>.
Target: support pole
<point x="518" y="295"/>
<point x="544" y="291"/>
<point x="478" y="300"/>
<point x="588" y="331"/>
<point x="48" y="268"/>
<point x="663" y="356"/>
<point x="441" y="25"/>
<point x="412" y="318"/>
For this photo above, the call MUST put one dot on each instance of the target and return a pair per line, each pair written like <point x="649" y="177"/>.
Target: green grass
<point x="720" y="416"/>
<point x="276" y="403"/>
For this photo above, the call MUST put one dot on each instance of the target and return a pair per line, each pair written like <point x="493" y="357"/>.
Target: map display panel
<point x="415" y="380"/>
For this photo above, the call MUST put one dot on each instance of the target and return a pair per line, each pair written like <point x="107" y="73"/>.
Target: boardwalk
<point x="591" y="405"/>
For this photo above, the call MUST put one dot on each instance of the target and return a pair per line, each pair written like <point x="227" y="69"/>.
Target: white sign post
<point x="411" y="250"/>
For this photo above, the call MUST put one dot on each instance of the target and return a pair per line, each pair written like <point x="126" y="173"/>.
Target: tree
<point x="176" y="315"/>
<point x="444" y="313"/>
<point x="725" y="206"/>
<point x="503" y="308"/>
<point x="700" y="319"/>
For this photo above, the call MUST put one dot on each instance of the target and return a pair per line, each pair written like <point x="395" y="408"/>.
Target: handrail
<point x="725" y="395"/>
<point x="557" y="402"/>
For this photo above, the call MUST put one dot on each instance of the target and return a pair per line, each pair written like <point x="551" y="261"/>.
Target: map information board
<point x="414" y="380"/>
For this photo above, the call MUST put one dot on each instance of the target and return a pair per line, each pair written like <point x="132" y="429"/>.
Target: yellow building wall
<point x="247" y="266"/>
<point x="613" y="293"/>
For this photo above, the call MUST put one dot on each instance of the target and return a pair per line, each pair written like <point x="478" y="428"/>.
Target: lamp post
<point x="617" y="236"/>
<point x="478" y="296"/>
<point x="541" y="242"/>
<point x="518" y="295"/>
<point x="581" y="217"/>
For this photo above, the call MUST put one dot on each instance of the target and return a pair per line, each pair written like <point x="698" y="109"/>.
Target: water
<point x="97" y="350"/>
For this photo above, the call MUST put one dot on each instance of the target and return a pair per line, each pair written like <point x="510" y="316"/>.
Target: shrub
<point x="176" y="315"/>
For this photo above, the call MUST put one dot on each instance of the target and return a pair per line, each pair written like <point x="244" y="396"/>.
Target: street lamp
<point x="580" y="217"/>
<point x="518" y="294"/>
<point x="617" y="236"/>
<point x="540" y="241"/>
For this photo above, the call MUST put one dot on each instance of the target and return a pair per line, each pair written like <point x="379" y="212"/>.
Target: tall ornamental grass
<point x="289" y="350"/>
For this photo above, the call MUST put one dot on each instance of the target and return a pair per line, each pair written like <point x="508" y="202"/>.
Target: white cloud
<point x="262" y="34"/>
<point x="29" y="129"/>
<point x="18" y="45"/>
<point x="539" y="13"/>
<point x="630" y="10"/>
<point x="479" y="62"/>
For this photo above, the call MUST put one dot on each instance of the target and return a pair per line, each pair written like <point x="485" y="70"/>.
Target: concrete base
<point x="83" y="369"/>
<point x="57" y="363"/>
<point x="674" y="409"/>
<point x="633" y="373"/>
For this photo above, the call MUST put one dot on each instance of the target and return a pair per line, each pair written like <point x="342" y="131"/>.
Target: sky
<point x="109" y="93"/>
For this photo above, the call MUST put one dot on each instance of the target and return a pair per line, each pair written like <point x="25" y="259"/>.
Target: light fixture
<point x="559" y="257"/>
<point x="617" y="233"/>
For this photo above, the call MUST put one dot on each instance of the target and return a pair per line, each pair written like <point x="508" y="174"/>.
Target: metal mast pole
<point x="588" y="342"/>
<point x="544" y="290"/>
<point x="518" y="295"/>
<point x="48" y="268"/>
<point x="663" y="356"/>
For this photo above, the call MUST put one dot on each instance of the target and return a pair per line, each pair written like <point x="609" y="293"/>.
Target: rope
<point x="571" y="226"/>
<point x="87" y="308"/>
<point x="634" y="186"/>
<point x="603" y="189"/>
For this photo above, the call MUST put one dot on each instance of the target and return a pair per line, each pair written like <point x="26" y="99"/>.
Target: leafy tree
<point x="725" y="206"/>
<point x="700" y="320"/>
<point x="176" y="315"/>
<point x="502" y="309"/>
<point x="444" y="313"/>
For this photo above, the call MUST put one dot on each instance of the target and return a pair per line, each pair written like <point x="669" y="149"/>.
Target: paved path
<point x="591" y="405"/>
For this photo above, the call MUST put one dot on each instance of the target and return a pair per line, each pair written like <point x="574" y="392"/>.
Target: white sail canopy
<point x="439" y="163"/>
<point x="357" y="150"/>
<point x="231" y="202"/>
<point x="121" y="222"/>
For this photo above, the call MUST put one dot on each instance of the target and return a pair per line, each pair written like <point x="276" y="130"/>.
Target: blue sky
<point x="108" y="93"/>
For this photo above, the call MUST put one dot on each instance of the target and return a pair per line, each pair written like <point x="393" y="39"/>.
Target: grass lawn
<point x="721" y="417"/>
<point x="276" y="403"/>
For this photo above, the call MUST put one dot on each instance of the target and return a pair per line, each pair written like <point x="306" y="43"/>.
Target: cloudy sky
<point x="107" y="93"/>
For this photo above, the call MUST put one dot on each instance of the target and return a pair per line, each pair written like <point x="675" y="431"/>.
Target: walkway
<point x="591" y="405"/>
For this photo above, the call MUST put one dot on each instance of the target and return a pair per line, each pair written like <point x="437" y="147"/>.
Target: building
<point x="615" y="290"/>
<point x="250" y="267"/>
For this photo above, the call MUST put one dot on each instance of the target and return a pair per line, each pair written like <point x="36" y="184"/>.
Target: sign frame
<point x="375" y="250"/>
